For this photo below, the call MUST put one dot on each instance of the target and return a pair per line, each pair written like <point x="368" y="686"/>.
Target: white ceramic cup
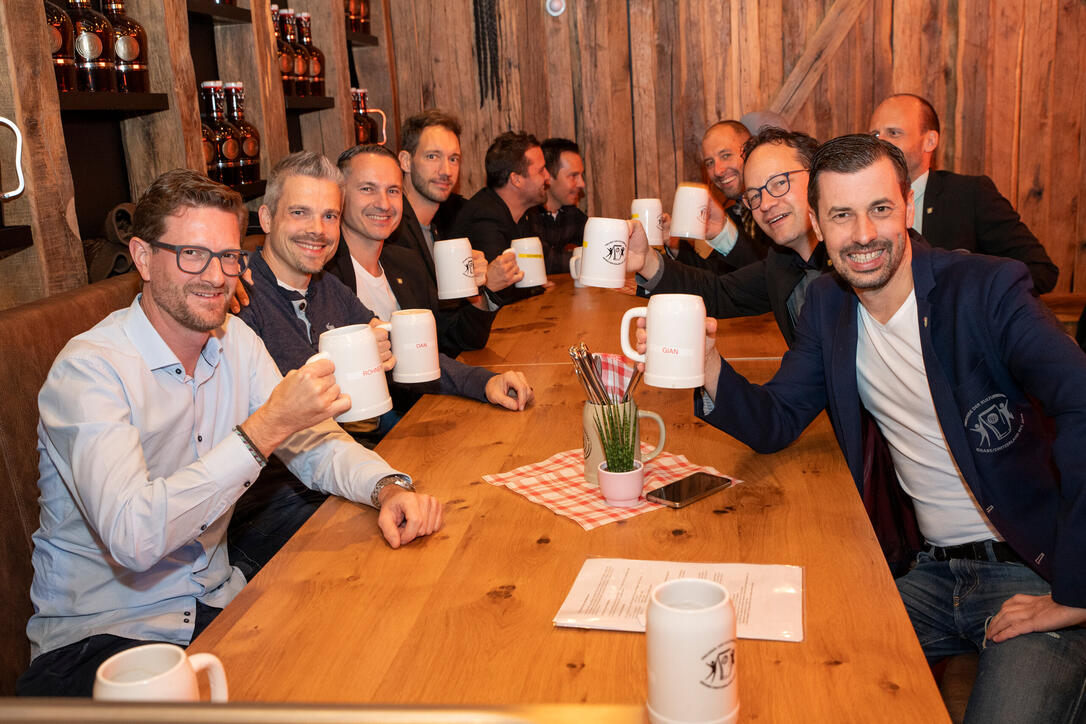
<point x="455" y="269"/>
<point x="650" y="212"/>
<point x="529" y="251"/>
<point x="675" y="349"/>
<point x="575" y="266"/>
<point x="158" y="672"/>
<point x="603" y="261"/>
<point x="690" y="641"/>
<point x="353" y="350"/>
<point x="690" y="211"/>
<point x="414" y="344"/>
<point x="593" y="450"/>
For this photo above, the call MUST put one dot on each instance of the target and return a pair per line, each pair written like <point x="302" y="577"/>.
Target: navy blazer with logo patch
<point x="988" y="344"/>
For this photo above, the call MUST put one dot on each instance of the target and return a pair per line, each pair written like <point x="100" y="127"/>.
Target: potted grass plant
<point x="621" y="475"/>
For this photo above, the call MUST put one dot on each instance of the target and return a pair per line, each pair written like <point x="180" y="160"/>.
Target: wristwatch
<point x="398" y="479"/>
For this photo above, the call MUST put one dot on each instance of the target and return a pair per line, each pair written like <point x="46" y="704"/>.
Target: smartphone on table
<point x="685" y="491"/>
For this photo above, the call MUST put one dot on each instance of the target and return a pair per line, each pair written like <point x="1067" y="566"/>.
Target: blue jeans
<point x="1036" y="677"/>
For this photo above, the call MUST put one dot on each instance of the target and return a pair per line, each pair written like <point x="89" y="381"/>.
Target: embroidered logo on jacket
<point x="992" y="424"/>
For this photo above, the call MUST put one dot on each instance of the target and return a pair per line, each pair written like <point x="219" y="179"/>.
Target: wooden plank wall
<point x="636" y="82"/>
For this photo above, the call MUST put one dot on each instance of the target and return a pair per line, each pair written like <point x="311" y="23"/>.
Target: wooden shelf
<point x="228" y="14"/>
<point x="362" y="39"/>
<point x="251" y="190"/>
<point x="303" y="104"/>
<point x="120" y="105"/>
<point x="14" y="238"/>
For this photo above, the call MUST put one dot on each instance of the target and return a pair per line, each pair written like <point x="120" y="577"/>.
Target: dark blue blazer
<point x="1009" y="388"/>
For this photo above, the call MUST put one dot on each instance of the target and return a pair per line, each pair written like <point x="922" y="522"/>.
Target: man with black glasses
<point x="153" y="424"/>
<point x="775" y="176"/>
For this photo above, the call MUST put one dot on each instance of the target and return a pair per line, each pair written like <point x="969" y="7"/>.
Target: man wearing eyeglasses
<point x="775" y="174"/>
<point x="153" y="424"/>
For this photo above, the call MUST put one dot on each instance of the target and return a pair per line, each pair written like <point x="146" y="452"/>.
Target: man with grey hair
<point x="153" y="424"/>
<point x="292" y="301"/>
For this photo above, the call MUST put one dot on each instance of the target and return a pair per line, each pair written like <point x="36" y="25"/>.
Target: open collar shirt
<point x="139" y="473"/>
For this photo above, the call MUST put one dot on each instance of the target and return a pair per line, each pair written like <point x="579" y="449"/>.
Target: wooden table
<point x="464" y="616"/>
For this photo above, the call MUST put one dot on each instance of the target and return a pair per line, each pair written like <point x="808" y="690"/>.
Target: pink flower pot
<point x="622" y="490"/>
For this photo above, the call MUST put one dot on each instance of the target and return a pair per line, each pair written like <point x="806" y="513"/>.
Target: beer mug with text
<point x="353" y="350"/>
<point x="675" y="347"/>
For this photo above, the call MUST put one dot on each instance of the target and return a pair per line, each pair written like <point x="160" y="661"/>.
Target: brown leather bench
<point x="33" y="334"/>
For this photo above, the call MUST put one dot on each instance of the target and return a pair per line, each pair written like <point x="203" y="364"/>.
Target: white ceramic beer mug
<point x="414" y="344"/>
<point x="675" y="346"/>
<point x="529" y="251"/>
<point x="158" y="672"/>
<point x="650" y="212"/>
<point x="690" y="648"/>
<point x="353" y="350"/>
<point x="603" y="261"/>
<point x="455" y="269"/>
<point x="690" y="211"/>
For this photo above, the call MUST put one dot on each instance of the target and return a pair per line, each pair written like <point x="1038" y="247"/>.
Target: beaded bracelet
<point x="250" y="446"/>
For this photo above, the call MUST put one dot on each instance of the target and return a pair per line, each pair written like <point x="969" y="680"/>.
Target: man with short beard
<point x="558" y="221"/>
<point x="153" y="424"/>
<point x="981" y="397"/>
<point x="775" y="175"/>
<point x="516" y="180"/>
<point x="430" y="158"/>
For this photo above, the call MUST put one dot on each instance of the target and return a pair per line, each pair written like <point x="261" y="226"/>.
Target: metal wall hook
<point x="18" y="160"/>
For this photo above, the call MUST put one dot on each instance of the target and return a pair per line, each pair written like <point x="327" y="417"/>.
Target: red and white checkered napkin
<point x="558" y="483"/>
<point x="615" y="372"/>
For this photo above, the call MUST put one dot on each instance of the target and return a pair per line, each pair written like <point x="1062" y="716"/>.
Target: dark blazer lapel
<point x="410" y="225"/>
<point x="933" y="208"/>
<point x="841" y="384"/>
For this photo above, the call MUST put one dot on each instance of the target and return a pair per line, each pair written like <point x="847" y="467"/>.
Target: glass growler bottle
<point x="225" y="138"/>
<point x="316" y="56"/>
<point x="62" y="46"/>
<point x="352" y="16"/>
<point x="130" y="44"/>
<point x="361" y="128"/>
<point x="250" y="138"/>
<point x="284" y="53"/>
<point x="300" y="69"/>
<point x="373" y="131"/>
<point x="364" y="16"/>
<point x="209" y="151"/>
<point x="95" y="61"/>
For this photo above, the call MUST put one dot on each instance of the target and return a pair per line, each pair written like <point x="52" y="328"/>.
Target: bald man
<point x="954" y="211"/>
<point x="731" y="231"/>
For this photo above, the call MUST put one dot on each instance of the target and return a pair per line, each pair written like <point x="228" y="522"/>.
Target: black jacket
<point x="968" y="212"/>
<point x="460" y="328"/>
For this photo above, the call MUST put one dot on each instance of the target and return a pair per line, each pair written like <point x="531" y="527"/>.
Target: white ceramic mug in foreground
<point x="593" y="450"/>
<point x="690" y="211"/>
<point x="603" y="261"/>
<point x="650" y="212"/>
<point x="675" y="349"/>
<point x="690" y="642"/>
<point x="529" y="251"/>
<point x="158" y="672"/>
<point x="353" y="350"/>
<point x="414" y="344"/>
<point x="455" y="269"/>
<point x="575" y="266"/>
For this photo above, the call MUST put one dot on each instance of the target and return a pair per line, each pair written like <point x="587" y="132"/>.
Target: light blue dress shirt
<point x="139" y="472"/>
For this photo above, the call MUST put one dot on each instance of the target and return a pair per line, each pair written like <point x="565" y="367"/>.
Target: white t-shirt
<point x="893" y="386"/>
<point x="374" y="292"/>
